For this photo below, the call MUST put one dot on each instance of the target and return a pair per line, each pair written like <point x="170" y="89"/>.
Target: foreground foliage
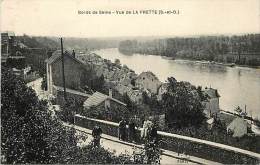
<point x="30" y="134"/>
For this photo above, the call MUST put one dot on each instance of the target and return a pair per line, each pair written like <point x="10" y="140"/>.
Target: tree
<point x="133" y="82"/>
<point x="182" y="105"/>
<point x="29" y="133"/>
<point x="126" y="99"/>
<point x="202" y="95"/>
<point x="238" y="110"/>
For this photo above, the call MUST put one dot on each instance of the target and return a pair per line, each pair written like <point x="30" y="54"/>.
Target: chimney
<point x="110" y="93"/>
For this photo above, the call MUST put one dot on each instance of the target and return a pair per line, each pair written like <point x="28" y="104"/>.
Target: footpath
<point x="113" y="144"/>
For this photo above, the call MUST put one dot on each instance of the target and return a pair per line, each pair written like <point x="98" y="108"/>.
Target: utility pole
<point x="63" y="74"/>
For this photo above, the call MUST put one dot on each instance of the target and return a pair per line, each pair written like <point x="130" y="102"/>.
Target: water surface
<point x="238" y="86"/>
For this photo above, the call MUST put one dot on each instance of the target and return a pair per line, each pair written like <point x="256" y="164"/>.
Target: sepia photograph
<point x="130" y="82"/>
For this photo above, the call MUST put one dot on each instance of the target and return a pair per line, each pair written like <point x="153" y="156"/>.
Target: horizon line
<point x="140" y="36"/>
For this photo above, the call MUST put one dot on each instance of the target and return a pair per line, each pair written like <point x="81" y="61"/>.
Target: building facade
<point x="147" y="80"/>
<point x="211" y="106"/>
<point x="74" y="71"/>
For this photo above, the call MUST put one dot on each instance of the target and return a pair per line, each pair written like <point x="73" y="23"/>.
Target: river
<point x="237" y="86"/>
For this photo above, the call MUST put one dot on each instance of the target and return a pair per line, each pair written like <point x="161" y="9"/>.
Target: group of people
<point x="127" y="131"/>
<point x="149" y="131"/>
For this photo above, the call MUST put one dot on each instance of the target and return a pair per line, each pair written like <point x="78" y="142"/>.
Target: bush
<point x="29" y="134"/>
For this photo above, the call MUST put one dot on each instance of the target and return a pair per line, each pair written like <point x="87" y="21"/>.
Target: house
<point x="134" y="95"/>
<point x="238" y="127"/>
<point x="7" y="44"/>
<point x="162" y="90"/>
<point x="105" y="105"/>
<point x="212" y="102"/>
<point x="148" y="80"/>
<point x="75" y="71"/>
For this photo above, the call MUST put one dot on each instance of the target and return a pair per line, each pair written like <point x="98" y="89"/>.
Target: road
<point x="114" y="145"/>
<point x="36" y="86"/>
<point x="123" y="148"/>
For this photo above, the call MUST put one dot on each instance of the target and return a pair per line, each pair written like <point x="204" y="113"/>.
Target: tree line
<point x="210" y="48"/>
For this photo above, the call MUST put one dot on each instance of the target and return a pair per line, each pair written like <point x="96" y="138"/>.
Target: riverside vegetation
<point x="243" y="50"/>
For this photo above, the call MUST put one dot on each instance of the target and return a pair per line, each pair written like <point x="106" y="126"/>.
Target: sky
<point x="197" y="17"/>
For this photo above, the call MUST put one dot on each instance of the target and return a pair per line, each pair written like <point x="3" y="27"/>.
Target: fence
<point x="183" y="144"/>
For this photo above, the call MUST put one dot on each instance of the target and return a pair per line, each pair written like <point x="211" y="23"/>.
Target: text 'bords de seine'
<point x="128" y="12"/>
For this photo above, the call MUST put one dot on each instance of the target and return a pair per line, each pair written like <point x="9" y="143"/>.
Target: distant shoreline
<point x="200" y="61"/>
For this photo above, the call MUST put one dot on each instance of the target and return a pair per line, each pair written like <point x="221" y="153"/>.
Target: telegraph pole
<point x="63" y="74"/>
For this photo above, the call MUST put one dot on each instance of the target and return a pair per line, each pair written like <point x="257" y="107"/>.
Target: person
<point x="131" y="130"/>
<point x="73" y="54"/>
<point x="147" y="127"/>
<point x="122" y="130"/>
<point x="153" y="134"/>
<point x="96" y="133"/>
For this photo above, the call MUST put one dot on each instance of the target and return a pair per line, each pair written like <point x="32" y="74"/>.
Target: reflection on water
<point x="238" y="86"/>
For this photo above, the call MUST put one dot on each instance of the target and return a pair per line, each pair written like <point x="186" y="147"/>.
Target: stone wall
<point x="177" y="143"/>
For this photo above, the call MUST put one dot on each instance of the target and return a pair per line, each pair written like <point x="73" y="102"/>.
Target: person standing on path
<point x="131" y="131"/>
<point x="96" y="133"/>
<point x="122" y="130"/>
<point x="147" y="127"/>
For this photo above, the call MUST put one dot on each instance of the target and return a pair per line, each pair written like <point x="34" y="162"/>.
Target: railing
<point x="183" y="144"/>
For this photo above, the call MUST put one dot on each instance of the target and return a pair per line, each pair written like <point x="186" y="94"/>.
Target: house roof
<point x="149" y="74"/>
<point x="57" y="55"/>
<point x="212" y="93"/>
<point x="97" y="98"/>
<point x="210" y="121"/>
<point x="71" y="91"/>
